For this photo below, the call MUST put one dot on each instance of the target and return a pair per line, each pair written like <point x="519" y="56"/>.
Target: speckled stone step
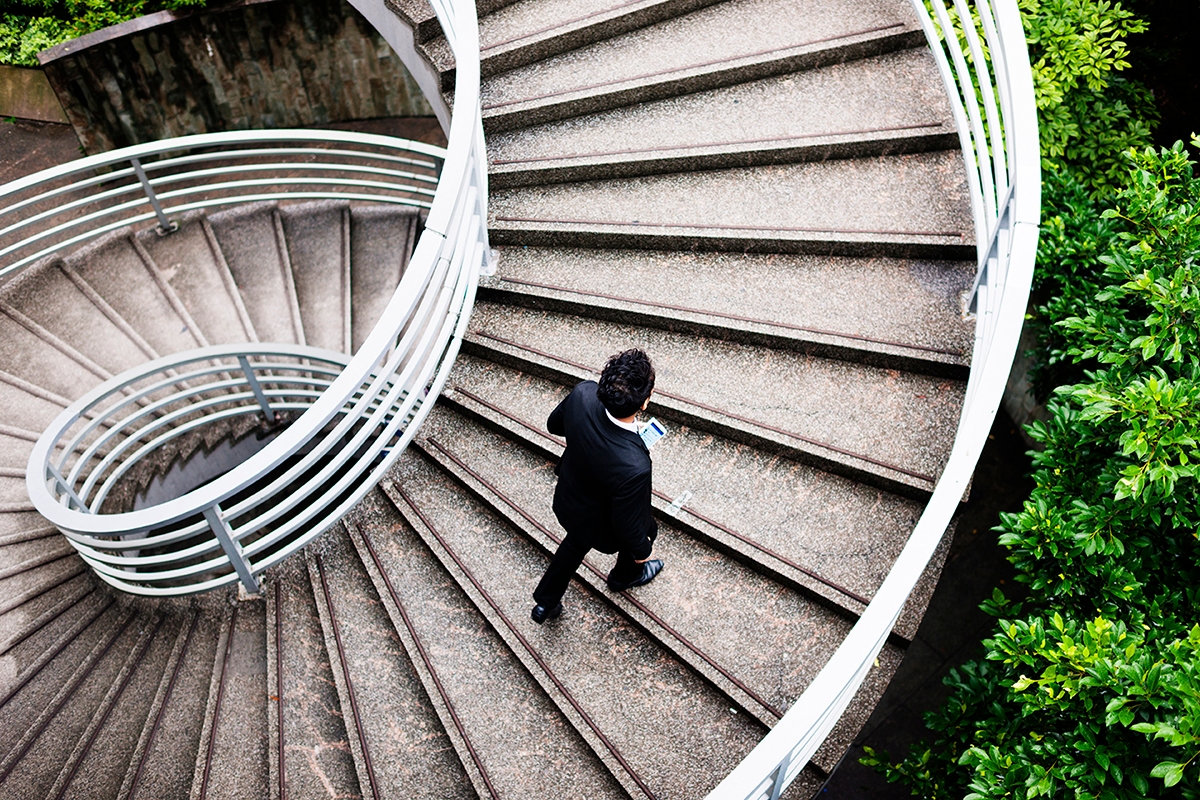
<point x="21" y="587"/>
<point x="252" y="244"/>
<point x="100" y="759"/>
<point x="908" y="206"/>
<point x="308" y="729"/>
<point x="231" y="760"/>
<point x="39" y="363"/>
<point x="888" y="103"/>
<point x="190" y="261"/>
<point x="115" y="271"/>
<point x="845" y="532"/>
<point x="163" y="761"/>
<point x="400" y="748"/>
<point x="756" y="668"/>
<point x="889" y="428"/>
<point x="895" y="313"/>
<point x="510" y="738"/>
<point x="47" y="296"/>
<point x="675" y="731"/>
<point x="532" y="30"/>
<point x="48" y="736"/>
<point x="318" y="243"/>
<point x="37" y="632"/>
<point x="730" y="42"/>
<point x="381" y="242"/>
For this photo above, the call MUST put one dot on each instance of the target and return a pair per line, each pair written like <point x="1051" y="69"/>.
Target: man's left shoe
<point x="540" y="613"/>
<point x="649" y="570"/>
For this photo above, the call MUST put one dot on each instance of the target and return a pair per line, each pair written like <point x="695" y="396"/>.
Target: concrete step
<point x="894" y="313"/>
<point x="400" y="748"/>
<point x="518" y="482"/>
<point x="756" y="667"/>
<point x="117" y="270"/>
<point x="253" y="246"/>
<point x="509" y="737"/>
<point x="381" y="242"/>
<point x="29" y="408"/>
<point x="48" y="733"/>
<point x="36" y="596"/>
<point x="100" y="759"/>
<point x="532" y="30"/>
<point x="23" y="584"/>
<point x="40" y="363"/>
<point x="231" y="760"/>
<point x="318" y="243"/>
<point x="668" y="729"/>
<point x="39" y="632"/>
<point x="47" y="295"/>
<point x="907" y="206"/>
<point x="726" y="43"/>
<point x="190" y="262"/>
<point x="816" y="532"/>
<point x="876" y="425"/>
<point x="163" y="762"/>
<point x="310" y="751"/>
<point x="888" y="103"/>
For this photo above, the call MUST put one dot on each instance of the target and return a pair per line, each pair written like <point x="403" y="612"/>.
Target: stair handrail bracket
<point x="993" y="104"/>
<point x="336" y="422"/>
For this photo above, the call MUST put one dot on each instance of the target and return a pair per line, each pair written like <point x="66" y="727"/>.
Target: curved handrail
<point x="993" y="104"/>
<point x="353" y="416"/>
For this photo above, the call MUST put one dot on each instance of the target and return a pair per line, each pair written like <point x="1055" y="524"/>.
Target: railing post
<point x="257" y="389"/>
<point x="779" y="781"/>
<point x="165" y="225"/>
<point x="224" y="534"/>
<point x="66" y="487"/>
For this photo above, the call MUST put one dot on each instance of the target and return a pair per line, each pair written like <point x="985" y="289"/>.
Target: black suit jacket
<point x="603" y="492"/>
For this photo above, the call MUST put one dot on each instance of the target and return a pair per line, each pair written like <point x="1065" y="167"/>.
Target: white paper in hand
<point x="651" y="432"/>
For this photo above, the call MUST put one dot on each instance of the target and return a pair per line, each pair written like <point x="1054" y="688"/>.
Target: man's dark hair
<point x="626" y="382"/>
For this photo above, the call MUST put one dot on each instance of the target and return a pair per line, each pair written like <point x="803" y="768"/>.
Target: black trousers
<point x="566" y="561"/>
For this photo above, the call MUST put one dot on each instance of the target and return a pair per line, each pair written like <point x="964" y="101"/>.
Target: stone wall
<point x="285" y="64"/>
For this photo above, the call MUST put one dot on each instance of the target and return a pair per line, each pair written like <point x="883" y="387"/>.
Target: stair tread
<point x="189" y="265"/>
<point x="381" y="241"/>
<point x="705" y="40"/>
<point x="32" y="358"/>
<point x="885" y="97"/>
<point x="900" y="419"/>
<point x="115" y="270"/>
<point x="28" y="412"/>
<point x="47" y="296"/>
<point x="102" y="767"/>
<point x="316" y="750"/>
<point x="31" y="630"/>
<point x="238" y="766"/>
<point x="79" y="625"/>
<point x="165" y="769"/>
<point x="913" y="303"/>
<point x="913" y="199"/>
<point x="250" y="247"/>
<point x="847" y="532"/>
<point x="410" y="752"/>
<point x="316" y="248"/>
<point x="613" y="670"/>
<point x="697" y="578"/>
<point x="525" y="745"/>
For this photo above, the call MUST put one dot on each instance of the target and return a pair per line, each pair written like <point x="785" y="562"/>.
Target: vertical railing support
<point x="165" y="225"/>
<point x="66" y="487"/>
<point x="259" y="395"/>
<point x="224" y="534"/>
<point x="779" y="781"/>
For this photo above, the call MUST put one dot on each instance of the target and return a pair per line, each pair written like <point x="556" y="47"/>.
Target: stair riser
<point x="756" y="156"/>
<point x="680" y="414"/>
<point x="863" y="353"/>
<point x="532" y="112"/>
<point x="578" y="34"/>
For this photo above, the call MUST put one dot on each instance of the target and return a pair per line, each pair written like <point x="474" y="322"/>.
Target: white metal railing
<point x="349" y="418"/>
<point x="993" y="102"/>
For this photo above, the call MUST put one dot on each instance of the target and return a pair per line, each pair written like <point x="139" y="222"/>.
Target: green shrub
<point x="1090" y="687"/>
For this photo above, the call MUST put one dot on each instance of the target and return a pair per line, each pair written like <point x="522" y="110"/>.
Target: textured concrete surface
<point x="636" y="692"/>
<point x="317" y="237"/>
<point x="881" y="99"/>
<point x="381" y="241"/>
<point x="523" y="743"/>
<point x="28" y="147"/>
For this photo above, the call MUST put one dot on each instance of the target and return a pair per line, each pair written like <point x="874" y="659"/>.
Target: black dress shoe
<point x="540" y="613"/>
<point x="649" y="570"/>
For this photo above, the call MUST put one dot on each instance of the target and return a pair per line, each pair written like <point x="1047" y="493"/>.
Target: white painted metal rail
<point x="348" y="418"/>
<point x="996" y="115"/>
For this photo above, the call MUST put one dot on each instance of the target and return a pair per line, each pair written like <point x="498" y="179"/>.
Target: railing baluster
<point x="257" y="389"/>
<point x="165" y="225"/>
<point x="224" y="534"/>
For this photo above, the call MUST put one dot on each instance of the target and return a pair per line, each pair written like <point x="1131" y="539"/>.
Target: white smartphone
<point x="651" y="432"/>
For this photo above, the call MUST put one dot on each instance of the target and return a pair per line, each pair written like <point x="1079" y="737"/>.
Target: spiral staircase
<point x="769" y="196"/>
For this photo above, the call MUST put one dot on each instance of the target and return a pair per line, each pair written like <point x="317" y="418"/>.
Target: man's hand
<point x="642" y="560"/>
